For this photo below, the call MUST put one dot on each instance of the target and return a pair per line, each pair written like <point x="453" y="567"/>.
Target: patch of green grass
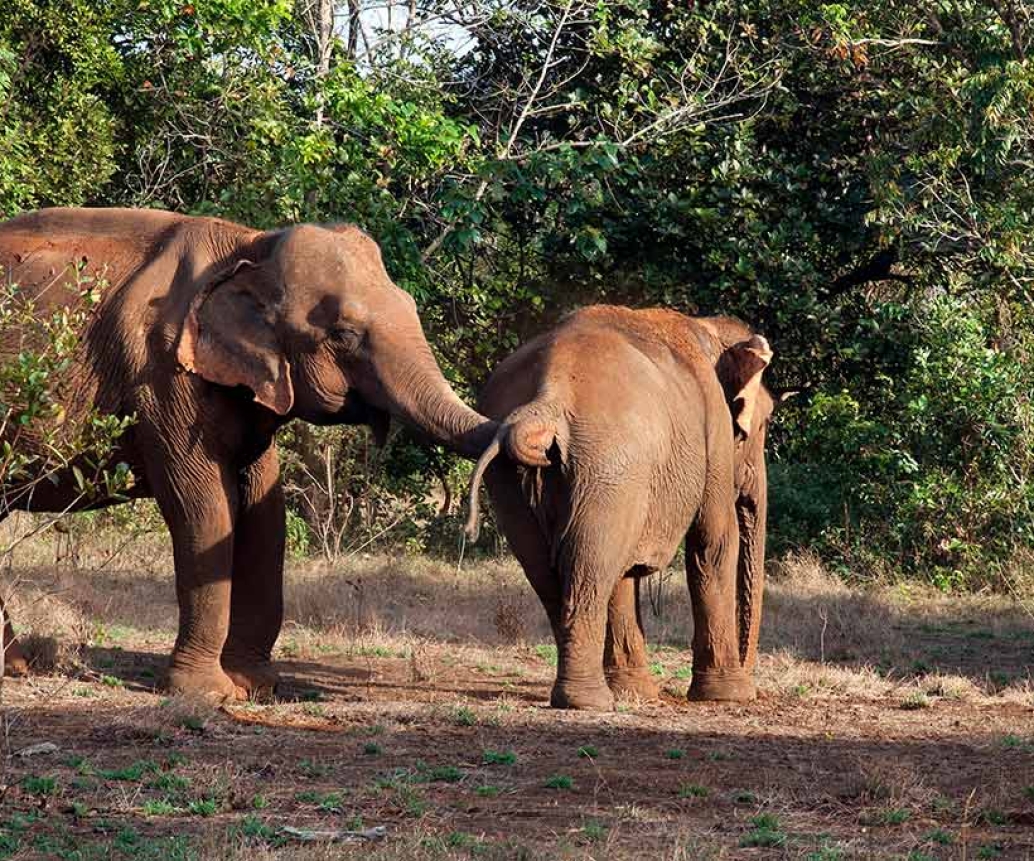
<point x="111" y="682"/>
<point x="412" y="801"/>
<point x="989" y="850"/>
<point x="371" y="748"/>
<point x="895" y="816"/>
<point x="675" y="753"/>
<point x="488" y="791"/>
<point x="767" y="832"/>
<point x="167" y="781"/>
<point x="548" y="653"/>
<point x="158" y="807"/>
<point x="131" y="773"/>
<point x="193" y="723"/>
<point x="993" y="816"/>
<point x="941" y="837"/>
<point x="498" y="757"/>
<point x="41" y="786"/>
<point x="744" y="796"/>
<point x="684" y="673"/>
<point x="373" y="729"/>
<point x="444" y="774"/>
<point x="312" y="769"/>
<point x="800" y="691"/>
<point x="203" y="807"/>
<point x="259" y="802"/>
<point x="588" y="752"/>
<point x="330" y="802"/>
<point x="915" y="701"/>
<point x="464" y="716"/>
<point x="314" y="709"/>
<point x="83" y="691"/>
<point x="253" y="827"/>
<point x="559" y="781"/>
<point x="693" y="790"/>
<point x="594" y="831"/>
<point x="657" y="669"/>
<point x="718" y="756"/>
<point x="459" y="840"/>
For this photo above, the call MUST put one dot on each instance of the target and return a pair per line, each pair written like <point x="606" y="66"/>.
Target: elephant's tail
<point x="528" y="435"/>
<point x="473" y="528"/>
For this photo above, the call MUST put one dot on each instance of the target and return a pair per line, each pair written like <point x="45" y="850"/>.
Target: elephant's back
<point x="53" y="253"/>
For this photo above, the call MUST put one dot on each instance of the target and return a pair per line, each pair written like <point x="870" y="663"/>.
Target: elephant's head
<point x="740" y="358"/>
<point x="308" y="319"/>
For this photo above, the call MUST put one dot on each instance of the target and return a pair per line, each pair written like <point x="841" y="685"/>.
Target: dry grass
<point x="820" y="638"/>
<point x="879" y="705"/>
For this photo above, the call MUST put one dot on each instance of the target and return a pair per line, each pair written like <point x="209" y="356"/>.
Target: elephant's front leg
<point x="711" y="557"/>
<point x="624" y="653"/>
<point x="257" y="595"/>
<point x="198" y="500"/>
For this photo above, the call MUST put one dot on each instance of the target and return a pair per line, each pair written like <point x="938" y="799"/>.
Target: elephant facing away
<point x="625" y="431"/>
<point x="212" y="335"/>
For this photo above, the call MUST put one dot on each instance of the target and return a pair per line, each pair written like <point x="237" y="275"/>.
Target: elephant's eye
<point x="346" y="337"/>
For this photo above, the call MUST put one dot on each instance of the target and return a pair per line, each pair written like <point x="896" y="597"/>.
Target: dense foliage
<point x="856" y="179"/>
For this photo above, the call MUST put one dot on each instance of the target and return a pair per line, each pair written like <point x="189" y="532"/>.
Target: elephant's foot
<point x="632" y="683"/>
<point x="581" y="695"/>
<point x="15" y="662"/>
<point x="722" y="686"/>
<point x="257" y="678"/>
<point x="209" y="682"/>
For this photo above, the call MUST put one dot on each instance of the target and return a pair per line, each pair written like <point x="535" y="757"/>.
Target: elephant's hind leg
<point x="592" y="561"/>
<point x="257" y="591"/>
<point x="525" y="537"/>
<point x="624" y="653"/>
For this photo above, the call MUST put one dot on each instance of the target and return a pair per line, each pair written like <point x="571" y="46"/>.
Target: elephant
<point x="623" y="431"/>
<point x="211" y="335"/>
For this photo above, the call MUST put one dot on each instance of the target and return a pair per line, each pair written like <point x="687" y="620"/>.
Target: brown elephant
<point x="213" y="335"/>
<point x="626" y="430"/>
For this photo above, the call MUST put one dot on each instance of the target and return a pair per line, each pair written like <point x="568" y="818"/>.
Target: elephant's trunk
<point x="413" y="389"/>
<point x="752" y="513"/>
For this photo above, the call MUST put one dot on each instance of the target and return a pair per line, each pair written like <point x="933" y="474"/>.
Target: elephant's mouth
<point x="358" y="411"/>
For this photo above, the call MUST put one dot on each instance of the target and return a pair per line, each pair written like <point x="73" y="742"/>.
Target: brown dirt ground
<point x="910" y="736"/>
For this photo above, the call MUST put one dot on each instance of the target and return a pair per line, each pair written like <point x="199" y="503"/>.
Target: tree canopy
<point x="853" y="179"/>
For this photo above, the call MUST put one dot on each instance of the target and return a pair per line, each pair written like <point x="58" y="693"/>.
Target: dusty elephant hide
<point x="212" y="335"/>
<point x="623" y="432"/>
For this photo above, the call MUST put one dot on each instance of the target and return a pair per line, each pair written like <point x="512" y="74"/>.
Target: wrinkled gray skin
<point x="621" y="432"/>
<point x="214" y="335"/>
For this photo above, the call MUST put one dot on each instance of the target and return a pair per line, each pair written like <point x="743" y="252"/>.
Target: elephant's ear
<point x="740" y="368"/>
<point x="229" y="338"/>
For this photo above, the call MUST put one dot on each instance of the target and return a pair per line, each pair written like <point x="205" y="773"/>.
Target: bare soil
<point x="889" y="725"/>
